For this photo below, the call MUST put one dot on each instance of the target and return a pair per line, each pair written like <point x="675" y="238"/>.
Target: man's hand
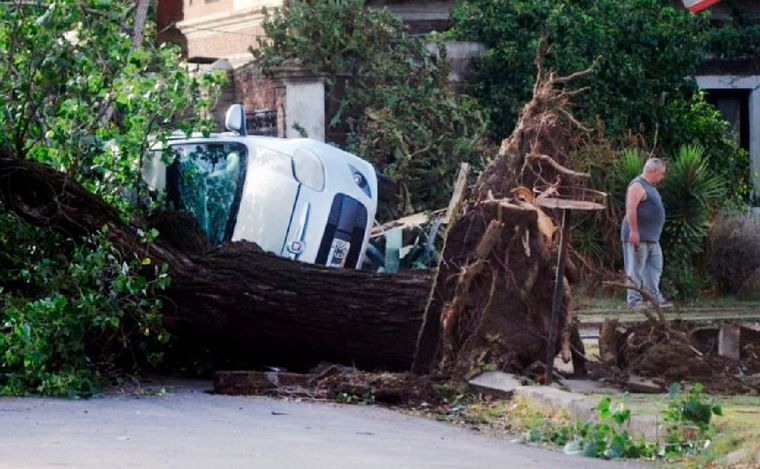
<point x="633" y="237"/>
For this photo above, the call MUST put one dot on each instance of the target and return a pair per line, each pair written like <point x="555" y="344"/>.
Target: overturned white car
<point x="297" y="198"/>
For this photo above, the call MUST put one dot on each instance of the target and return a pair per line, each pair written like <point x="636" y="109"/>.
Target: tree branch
<point x="557" y="166"/>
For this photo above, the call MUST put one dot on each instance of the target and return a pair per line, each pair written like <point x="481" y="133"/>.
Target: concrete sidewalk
<point x="188" y="428"/>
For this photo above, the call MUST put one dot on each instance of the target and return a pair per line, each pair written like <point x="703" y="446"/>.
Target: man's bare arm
<point x="633" y="197"/>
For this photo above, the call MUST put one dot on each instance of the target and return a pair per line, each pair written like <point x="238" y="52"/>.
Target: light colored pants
<point x="643" y="265"/>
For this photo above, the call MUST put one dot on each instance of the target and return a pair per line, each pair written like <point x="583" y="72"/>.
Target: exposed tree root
<point x="492" y="300"/>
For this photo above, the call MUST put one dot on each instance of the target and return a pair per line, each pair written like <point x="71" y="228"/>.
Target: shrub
<point x="688" y="429"/>
<point x="734" y="250"/>
<point x="693" y="121"/>
<point x="397" y="107"/>
<point x="691" y="194"/>
<point x="68" y="309"/>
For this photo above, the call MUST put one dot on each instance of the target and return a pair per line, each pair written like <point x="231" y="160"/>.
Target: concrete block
<point x="729" y="341"/>
<point x="496" y="383"/>
<point x="576" y="406"/>
<point x="735" y="457"/>
<point x="643" y="385"/>
<point x="589" y="386"/>
<point x="580" y="407"/>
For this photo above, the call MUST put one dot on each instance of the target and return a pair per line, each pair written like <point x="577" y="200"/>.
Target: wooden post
<point x="551" y="350"/>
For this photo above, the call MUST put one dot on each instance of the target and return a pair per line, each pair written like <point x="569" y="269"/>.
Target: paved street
<point x="189" y="428"/>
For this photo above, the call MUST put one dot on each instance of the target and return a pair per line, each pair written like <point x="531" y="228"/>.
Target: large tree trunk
<point x="236" y="294"/>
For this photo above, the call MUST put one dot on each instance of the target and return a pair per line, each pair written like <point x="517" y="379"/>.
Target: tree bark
<point x="139" y="28"/>
<point x="237" y="295"/>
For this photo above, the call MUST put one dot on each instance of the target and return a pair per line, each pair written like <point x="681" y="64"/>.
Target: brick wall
<point x="254" y="90"/>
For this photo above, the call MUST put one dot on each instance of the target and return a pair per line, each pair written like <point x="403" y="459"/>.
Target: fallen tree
<point x="236" y="295"/>
<point x="491" y="302"/>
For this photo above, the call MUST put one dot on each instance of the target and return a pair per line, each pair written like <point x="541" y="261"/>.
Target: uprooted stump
<point x="492" y="300"/>
<point x="497" y="314"/>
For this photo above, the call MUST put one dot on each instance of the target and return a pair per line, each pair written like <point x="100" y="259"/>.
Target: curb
<point x="581" y="407"/>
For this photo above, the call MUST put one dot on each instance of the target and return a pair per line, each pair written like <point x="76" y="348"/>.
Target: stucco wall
<point x="223" y="28"/>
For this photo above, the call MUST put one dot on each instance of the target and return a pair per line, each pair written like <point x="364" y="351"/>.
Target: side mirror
<point x="234" y="120"/>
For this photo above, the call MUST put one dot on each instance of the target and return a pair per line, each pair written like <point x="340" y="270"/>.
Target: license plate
<point x="338" y="253"/>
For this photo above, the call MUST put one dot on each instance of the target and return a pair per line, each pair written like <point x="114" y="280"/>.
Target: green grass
<point x="617" y="302"/>
<point x="739" y="428"/>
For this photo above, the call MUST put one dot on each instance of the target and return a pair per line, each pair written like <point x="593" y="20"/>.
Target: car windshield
<point x="205" y="179"/>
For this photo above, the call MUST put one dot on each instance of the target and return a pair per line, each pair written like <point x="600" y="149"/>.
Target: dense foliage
<point x="81" y="94"/>
<point x="738" y="37"/>
<point x="82" y="97"/>
<point x="69" y="308"/>
<point x="643" y="51"/>
<point x="400" y="114"/>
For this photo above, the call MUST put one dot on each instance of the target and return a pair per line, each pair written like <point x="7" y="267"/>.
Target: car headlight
<point x="360" y="180"/>
<point x="308" y="169"/>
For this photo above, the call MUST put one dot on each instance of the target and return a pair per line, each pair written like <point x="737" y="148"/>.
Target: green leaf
<point x="604" y="408"/>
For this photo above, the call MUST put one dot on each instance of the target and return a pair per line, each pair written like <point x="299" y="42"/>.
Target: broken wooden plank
<point x="568" y="204"/>
<point x="416" y="219"/>
<point x="458" y="195"/>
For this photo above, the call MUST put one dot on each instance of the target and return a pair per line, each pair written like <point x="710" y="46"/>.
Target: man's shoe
<point x="637" y="307"/>
<point x="666" y="305"/>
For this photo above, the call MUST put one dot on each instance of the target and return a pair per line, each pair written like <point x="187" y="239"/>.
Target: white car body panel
<point x="277" y="210"/>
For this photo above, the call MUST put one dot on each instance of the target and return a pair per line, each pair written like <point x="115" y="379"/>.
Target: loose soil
<point x="672" y="352"/>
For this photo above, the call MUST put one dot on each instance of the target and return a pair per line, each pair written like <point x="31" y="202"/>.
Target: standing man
<point x="640" y="232"/>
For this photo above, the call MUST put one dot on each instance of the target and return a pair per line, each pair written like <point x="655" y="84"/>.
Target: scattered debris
<point x="666" y="352"/>
<point x="259" y="382"/>
<point x="333" y="382"/>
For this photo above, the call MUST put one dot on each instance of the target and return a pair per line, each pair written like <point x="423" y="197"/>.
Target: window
<point x="734" y="107"/>
<point x="206" y="180"/>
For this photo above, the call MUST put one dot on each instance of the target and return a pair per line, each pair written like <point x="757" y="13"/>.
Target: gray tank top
<point x="650" y="214"/>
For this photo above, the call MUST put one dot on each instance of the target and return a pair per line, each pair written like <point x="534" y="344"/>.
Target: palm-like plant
<point x="690" y="193"/>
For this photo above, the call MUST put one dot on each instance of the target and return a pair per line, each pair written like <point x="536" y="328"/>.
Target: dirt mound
<point x="672" y="352"/>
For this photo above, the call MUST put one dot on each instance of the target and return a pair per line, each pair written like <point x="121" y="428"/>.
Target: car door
<point x="270" y="195"/>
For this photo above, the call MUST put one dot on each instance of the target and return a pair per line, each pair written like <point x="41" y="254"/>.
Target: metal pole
<point x="551" y="350"/>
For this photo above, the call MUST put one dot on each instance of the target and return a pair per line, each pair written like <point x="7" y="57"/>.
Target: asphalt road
<point x="188" y="428"/>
